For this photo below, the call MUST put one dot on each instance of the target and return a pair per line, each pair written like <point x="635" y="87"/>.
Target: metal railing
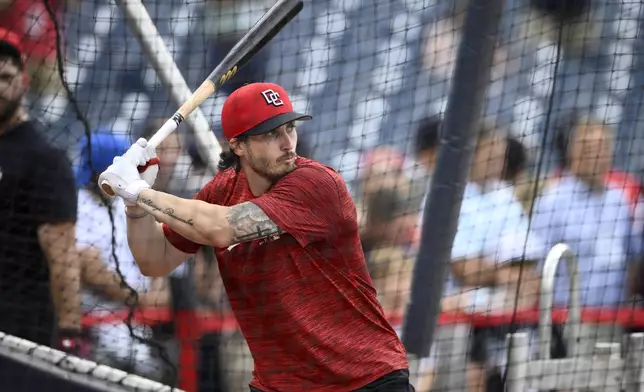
<point x="603" y="370"/>
<point x="546" y="296"/>
<point x="598" y="368"/>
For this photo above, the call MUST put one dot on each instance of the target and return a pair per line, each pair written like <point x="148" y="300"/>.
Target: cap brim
<point x="276" y="122"/>
<point x="9" y="49"/>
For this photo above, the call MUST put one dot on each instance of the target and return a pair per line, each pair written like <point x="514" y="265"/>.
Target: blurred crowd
<point x="510" y="219"/>
<point x="522" y="197"/>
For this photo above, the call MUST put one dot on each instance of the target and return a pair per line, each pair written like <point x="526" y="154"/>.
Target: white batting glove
<point x="124" y="179"/>
<point x="145" y="158"/>
<point x="140" y="153"/>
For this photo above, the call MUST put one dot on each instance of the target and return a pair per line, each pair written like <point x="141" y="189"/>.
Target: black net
<point x="556" y="159"/>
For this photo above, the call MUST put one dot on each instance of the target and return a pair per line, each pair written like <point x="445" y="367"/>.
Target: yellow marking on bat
<point x="225" y="77"/>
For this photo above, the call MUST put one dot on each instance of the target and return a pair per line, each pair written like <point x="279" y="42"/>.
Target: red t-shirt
<point x="304" y="302"/>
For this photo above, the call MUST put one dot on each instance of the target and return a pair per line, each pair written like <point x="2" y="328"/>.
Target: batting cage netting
<point x="493" y="149"/>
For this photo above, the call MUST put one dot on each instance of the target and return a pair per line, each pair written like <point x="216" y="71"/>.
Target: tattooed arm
<point x="248" y="222"/>
<point x="206" y="223"/>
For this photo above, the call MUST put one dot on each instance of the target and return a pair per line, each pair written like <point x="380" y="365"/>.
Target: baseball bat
<point x="280" y="14"/>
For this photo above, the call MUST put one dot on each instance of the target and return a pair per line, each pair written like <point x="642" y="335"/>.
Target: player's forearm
<point x="145" y="236"/>
<point x="196" y="220"/>
<point x="96" y="274"/>
<point x="65" y="281"/>
<point x="152" y="252"/>
<point x="58" y="242"/>
<point x="475" y="272"/>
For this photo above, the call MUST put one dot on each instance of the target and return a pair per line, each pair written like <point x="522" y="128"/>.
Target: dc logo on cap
<point x="272" y="98"/>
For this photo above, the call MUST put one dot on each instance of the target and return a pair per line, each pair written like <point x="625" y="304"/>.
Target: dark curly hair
<point x="228" y="159"/>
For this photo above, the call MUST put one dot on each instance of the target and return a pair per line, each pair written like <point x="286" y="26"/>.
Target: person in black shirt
<point x="39" y="264"/>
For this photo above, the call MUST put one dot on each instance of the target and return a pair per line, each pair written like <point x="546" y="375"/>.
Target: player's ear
<point x="236" y="146"/>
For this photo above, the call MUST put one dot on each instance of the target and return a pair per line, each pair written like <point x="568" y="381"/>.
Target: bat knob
<point x="107" y="188"/>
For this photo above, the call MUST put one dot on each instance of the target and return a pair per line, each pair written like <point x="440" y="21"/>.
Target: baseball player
<point x="286" y="239"/>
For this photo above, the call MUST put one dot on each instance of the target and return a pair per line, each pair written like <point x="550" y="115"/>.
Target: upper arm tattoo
<point x="249" y="223"/>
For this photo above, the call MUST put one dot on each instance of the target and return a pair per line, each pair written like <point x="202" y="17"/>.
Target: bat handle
<point x="206" y="89"/>
<point x="166" y="129"/>
<point x="107" y="188"/>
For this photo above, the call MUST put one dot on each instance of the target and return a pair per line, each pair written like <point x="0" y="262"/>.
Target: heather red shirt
<point x="304" y="302"/>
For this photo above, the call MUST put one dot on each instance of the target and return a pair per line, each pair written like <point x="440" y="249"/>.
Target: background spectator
<point x="516" y="173"/>
<point x="40" y="273"/>
<point x="390" y="263"/>
<point x="581" y="33"/>
<point x="31" y="21"/>
<point x="441" y="40"/>
<point x="381" y="168"/>
<point x="592" y="216"/>
<point x="493" y="254"/>
<point x="99" y="221"/>
<point x="427" y="140"/>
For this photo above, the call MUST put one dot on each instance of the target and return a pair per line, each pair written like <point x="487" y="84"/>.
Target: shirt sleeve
<point x="53" y="194"/>
<point x="468" y="242"/>
<point x="545" y="222"/>
<point x="309" y="204"/>
<point x="177" y="240"/>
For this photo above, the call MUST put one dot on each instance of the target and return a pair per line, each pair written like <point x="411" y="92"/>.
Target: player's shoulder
<point x="28" y="137"/>
<point x="33" y="133"/>
<point x="220" y="186"/>
<point x="315" y="170"/>
<point x="224" y="176"/>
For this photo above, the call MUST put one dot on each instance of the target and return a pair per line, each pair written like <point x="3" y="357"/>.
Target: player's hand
<point x="124" y="179"/>
<point x="145" y="158"/>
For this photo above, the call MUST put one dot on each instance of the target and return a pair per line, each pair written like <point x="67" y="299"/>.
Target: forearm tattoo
<point x="249" y="223"/>
<point x="168" y="211"/>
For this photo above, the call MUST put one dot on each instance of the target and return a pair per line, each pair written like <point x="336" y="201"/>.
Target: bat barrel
<point x="266" y="28"/>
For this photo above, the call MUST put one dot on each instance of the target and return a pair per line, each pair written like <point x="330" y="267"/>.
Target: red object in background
<point x="629" y="183"/>
<point x="188" y="334"/>
<point x="30" y="20"/>
<point x="76" y="343"/>
<point x="619" y="179"/>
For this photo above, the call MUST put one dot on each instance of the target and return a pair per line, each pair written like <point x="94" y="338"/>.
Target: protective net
<point x="554" y="175"/>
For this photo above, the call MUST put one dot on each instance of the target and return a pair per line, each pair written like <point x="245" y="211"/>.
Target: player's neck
<point x="19" y="117"/>
<point x="257" y="183"/>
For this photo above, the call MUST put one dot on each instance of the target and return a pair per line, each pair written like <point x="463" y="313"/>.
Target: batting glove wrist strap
<point x="132" y="190"/>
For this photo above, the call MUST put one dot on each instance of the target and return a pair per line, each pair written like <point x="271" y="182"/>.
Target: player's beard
<point x="8" y="109"/>
<point x="272" y="171"/>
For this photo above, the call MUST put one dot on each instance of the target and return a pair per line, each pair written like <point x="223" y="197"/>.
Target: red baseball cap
<point x="10" y="43"/>
<point x="257" y="108"/>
